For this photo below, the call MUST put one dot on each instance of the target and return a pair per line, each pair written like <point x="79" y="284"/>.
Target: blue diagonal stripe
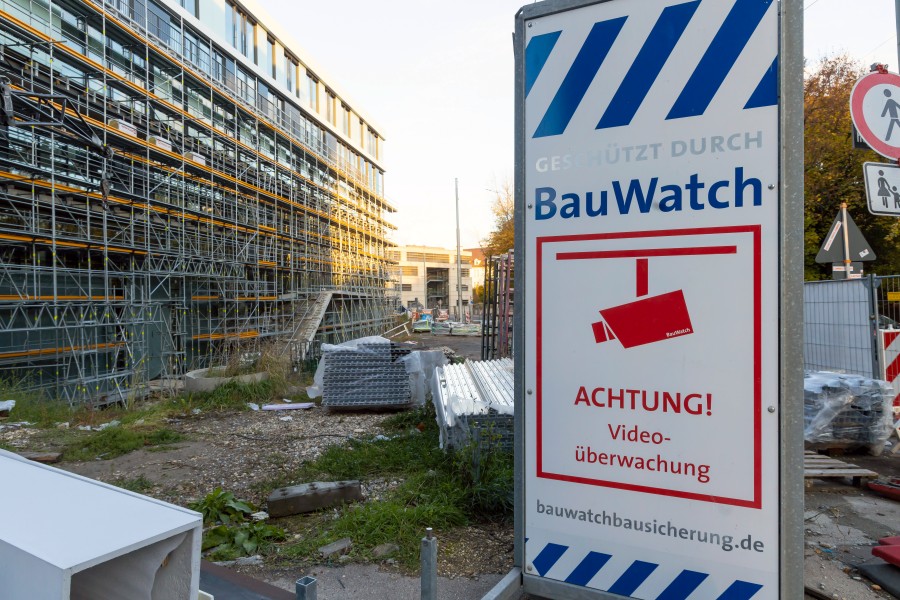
<point x="721" y="55"/>
<point x="547" y="557"/>
<point x="579" y="77"/>
<point x="683" y="586"/>
<point x="587" y="568"/>
<point x="649" y="62"/>
<point x="632" y="578"/>
<point x="766" y="93"/>
<point x="740" y="590"/>
<point x="536" y="54"/>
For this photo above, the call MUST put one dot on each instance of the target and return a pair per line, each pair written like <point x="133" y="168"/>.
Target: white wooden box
<point x="66" y="537"/>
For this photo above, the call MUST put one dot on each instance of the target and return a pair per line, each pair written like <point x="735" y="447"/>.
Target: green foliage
<point x="502" y="239"/>
<point x="34" y="408"/>
<point x="116" y="441"/>
<point x="139" y="484"/>
<point x="438" y="489"/>
<point x="229" y="542"/>
<point x="230" y="396"/>
<point x="229" y="535"/>
<point x="220" y="506"/>
<point x="488" y="476"/>
<point x="833" y="170"/>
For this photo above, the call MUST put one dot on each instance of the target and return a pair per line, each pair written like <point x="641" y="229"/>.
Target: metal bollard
<point x="306" y="588"/>
<point x="429" y="566"/>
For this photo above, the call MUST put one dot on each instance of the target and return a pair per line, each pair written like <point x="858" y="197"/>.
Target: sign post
<point x="659" y="231"/>
<point x="845" y="247"/>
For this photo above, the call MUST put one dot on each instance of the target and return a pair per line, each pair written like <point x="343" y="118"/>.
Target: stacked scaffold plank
<point x="369" y="376"/>
<point x="474" y="403"/>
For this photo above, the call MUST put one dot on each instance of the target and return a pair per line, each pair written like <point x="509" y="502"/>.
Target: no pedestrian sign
<point x="875" y="111"/>
<point x="651" y="200"/>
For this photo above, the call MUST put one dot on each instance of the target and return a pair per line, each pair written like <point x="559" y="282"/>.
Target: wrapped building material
<point x="474" y="402"/>
<point x="843" y="410"/>
<point x="373" y="373"/>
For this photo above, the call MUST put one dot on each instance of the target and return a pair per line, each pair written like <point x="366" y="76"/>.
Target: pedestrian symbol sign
<point x="882" y="188"/>
<point x="875" y="110"/>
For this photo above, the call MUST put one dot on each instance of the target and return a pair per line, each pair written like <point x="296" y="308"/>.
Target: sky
<point x="437" y="79"/>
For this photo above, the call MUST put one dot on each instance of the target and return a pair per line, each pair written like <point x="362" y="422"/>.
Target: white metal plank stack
<point x="474" y="401"/>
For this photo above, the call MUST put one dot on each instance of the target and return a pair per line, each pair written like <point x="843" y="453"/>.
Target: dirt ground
<point x="238" y="451"/>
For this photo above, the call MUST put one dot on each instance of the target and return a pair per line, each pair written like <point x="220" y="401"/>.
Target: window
<point x="239" y="30"/>
<point x="392" y="255"/>
<point x="405" y="287"/>
<point x="464" y="272"/>
<point x="268" y="59"/>
<point x="464" y="288"/>
<point x="246" y="86"/>
<point x="345" y="119"/>
<point x="196" y="51"/>
<point x="313" y="90"/>
<point x="415" y="256"/>
<point x="372" y="143"/>
<point x="158" y="22"/>
<point x="329" y="107"/>
<point x="190" y="6"/>
<point x="410" y="270"/>
<point x="290" y="71"/>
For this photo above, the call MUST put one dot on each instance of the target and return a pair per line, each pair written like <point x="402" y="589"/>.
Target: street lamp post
<point x="459" y="316"/>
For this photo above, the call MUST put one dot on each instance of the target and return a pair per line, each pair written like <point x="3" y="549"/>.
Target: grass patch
<point x="36" y="409"/>
<point x="438" y="490"/>
<point x="230" y="396"/>
<point x="116" y="441"/>
<point x="139" y="484"/>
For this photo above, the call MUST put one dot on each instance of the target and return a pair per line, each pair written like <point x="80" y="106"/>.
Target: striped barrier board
<point x="889" y="350"/>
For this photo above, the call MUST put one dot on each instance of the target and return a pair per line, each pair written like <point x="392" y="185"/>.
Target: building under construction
<point x="176" y="184"/>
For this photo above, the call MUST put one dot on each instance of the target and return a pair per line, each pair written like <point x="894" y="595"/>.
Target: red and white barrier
<point x="889" y="356"/>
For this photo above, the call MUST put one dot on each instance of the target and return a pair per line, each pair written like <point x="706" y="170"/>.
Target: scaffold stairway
<point x="310" y="318"/>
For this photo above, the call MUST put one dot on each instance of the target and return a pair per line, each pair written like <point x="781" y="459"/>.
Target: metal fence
<point x="841" y="323"/>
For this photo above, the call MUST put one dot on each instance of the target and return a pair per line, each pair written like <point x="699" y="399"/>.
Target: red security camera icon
<point x="649" y="319"/>
<point x="645" y="321"/>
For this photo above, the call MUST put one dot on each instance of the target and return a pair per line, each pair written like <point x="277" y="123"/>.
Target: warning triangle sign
<point x="832" y="250"/>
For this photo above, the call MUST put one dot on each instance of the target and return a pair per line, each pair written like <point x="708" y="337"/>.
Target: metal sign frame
<point x="790" y="309"/>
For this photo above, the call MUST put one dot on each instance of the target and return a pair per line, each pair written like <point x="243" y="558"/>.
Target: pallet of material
<point x="819" y="466"/>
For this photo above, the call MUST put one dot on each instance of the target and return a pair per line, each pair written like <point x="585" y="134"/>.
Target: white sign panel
<point x="882" y="188"/>
<point x="651" y="185"/>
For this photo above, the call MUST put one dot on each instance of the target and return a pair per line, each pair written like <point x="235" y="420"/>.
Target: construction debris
<point x="474" y="402"/>
<point x="293" y="406"/>
<point x="309" y="497"/>
<point x="843" y="410"/>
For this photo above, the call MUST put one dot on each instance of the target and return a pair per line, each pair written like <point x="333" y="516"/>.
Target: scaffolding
<point x="499" y="296"/>
<point x="206" y="215"/>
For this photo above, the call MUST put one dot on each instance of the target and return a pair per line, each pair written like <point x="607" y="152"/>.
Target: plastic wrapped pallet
<point x="373" y="372"/>
<point x="843" y="410"/>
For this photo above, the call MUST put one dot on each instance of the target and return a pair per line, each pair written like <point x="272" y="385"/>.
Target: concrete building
<point x="428" y="278"/>
<point x="177" y="182"/>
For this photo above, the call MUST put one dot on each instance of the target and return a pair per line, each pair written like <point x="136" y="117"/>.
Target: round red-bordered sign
<point x="875" y="111"/>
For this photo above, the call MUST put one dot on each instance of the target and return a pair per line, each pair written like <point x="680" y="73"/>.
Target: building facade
<point x="176" y="183"/>
<point x="429" y="277"/>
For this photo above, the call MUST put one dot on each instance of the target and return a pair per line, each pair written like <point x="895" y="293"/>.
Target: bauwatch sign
<point x="650" y="201"/>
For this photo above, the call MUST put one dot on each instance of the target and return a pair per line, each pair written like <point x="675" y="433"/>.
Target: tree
<point x="834" y="169"/>
<point x="478" y="294"/>
<point x="502" y="238"/>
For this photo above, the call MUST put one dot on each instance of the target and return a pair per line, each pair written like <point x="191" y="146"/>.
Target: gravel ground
<point x="239" y="451"/>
